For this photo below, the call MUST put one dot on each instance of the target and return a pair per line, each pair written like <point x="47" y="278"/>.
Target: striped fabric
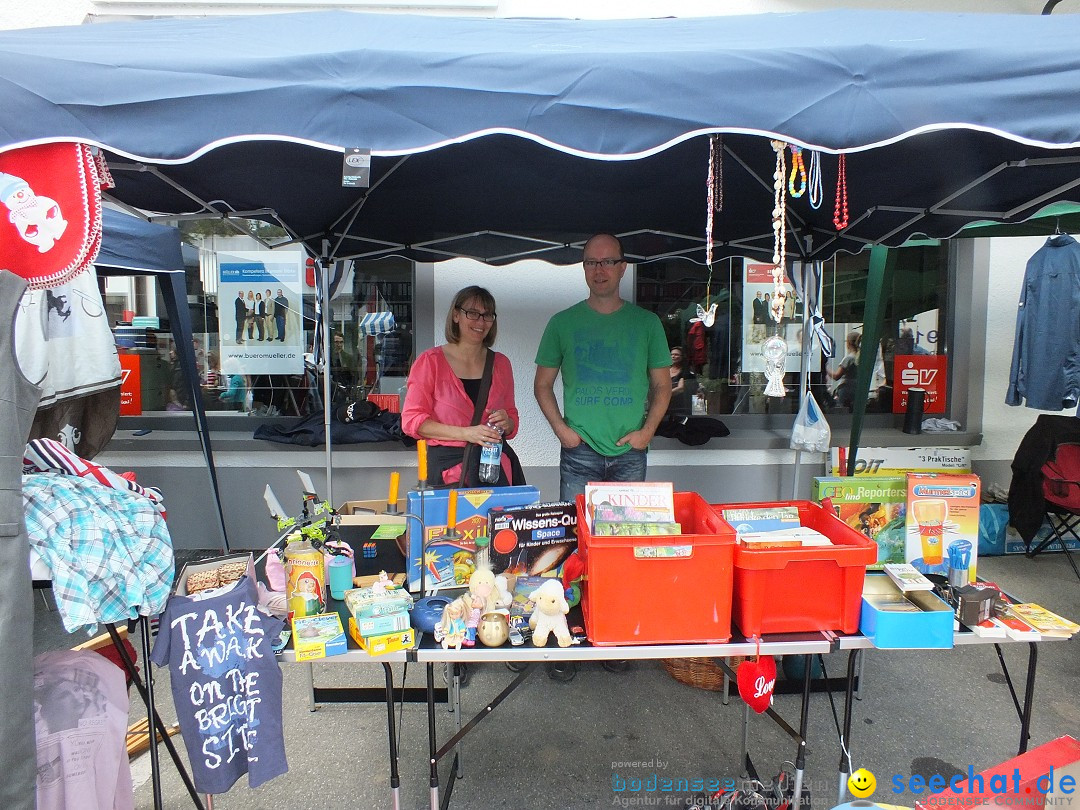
<point x="376" y="323"/>
<point x="51" y="456"/>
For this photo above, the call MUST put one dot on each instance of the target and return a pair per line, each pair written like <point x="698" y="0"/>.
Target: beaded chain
<point x="815" y="180"/>
<point x="714" y="192"/>
<point x="840" y="211"/>
<point x="779" y="223"/>
<point x="798" y="169"/>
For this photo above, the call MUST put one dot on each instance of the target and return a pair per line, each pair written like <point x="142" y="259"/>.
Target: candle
<point x="451" y="512"/>
<point x="421" y="461"/>
<point x="395" y="481"/>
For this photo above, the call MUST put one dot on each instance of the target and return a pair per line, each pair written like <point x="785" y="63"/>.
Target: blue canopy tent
<point x="502" y="139"/>
<point x="133" y="247"/>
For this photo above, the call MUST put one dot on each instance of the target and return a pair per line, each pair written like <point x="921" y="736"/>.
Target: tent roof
<point x="504" y="138"/>
<point x="131" y="244"/>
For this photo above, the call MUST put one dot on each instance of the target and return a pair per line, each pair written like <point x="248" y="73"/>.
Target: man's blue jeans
<point x="580" y="465"/>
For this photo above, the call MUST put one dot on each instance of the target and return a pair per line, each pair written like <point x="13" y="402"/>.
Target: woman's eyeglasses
<point x="473" y="315"/>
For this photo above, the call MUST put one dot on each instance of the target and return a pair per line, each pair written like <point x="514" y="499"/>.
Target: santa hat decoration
<point x="50" y="211"/>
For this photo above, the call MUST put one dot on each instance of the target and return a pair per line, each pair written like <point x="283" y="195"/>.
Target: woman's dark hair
<point x="485" y="299"/>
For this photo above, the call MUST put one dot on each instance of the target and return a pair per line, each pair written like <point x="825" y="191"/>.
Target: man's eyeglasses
<point x="592" y="264"/>
<point x="473" y="315"/>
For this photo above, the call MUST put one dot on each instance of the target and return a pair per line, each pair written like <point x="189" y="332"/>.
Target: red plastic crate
<point x="800" y="590"/>
<point x="633" y="594"/>
<point x="388" y="402"/>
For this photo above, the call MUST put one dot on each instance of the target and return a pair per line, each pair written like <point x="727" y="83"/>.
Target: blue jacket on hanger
<point x="1046" y="350"/>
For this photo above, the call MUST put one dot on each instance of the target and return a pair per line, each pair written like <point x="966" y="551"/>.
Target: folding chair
<point x="1061" y="491"/>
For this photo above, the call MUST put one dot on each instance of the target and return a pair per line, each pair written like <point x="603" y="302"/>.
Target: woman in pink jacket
<point x="443" y="386"/>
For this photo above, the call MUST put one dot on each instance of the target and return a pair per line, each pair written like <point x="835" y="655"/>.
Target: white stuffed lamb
<point x="549" y="615"/>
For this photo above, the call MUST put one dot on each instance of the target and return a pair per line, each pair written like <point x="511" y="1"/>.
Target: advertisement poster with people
<point x="759" y="322"/>
<point x="261" y="330"/>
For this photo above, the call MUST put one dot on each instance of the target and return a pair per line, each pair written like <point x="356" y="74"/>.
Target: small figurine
<point x="451" y="630"/>
<point x="550" y="614"/>
<point x="476" y="607"/>
<point x="382" y="585"/>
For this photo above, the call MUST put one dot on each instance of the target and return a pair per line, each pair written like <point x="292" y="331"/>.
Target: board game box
<point x="451" y="561"/>
<point x="873" y="505"/>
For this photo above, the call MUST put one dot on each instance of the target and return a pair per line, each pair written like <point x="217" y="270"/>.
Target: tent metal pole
<point x="804" y="362"/>
<point x="324" y="295"/>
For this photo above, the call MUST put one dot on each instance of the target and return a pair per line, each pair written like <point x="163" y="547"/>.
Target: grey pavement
<point x="581" y="744"/>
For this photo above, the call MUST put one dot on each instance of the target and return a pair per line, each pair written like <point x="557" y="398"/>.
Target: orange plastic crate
<point x="659" y="589"/>
<point x="801" y="590"/>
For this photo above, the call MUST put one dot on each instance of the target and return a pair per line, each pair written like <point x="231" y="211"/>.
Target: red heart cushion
<point x="756" y="681"/>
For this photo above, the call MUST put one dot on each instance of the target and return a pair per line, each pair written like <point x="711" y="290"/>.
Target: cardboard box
<point x="452" y="561"/>
<point x="180" y="586"/>
<point x="318" y="636"/>
<point x="1014" y="543"/>
<point x="929" y="626"/>
<point x="532" y="540"/>
<point x="902" y="460"/>
<point x="365" y="602"/>
<point x="941" y="510"/>
<point x="370" y="513"/>
<point x="381" y="645"/>
<point x="872" y="504"/>
<point x="368" y="626"/>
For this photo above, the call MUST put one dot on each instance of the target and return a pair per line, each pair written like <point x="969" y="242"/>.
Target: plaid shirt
<point x="109" y="550"/>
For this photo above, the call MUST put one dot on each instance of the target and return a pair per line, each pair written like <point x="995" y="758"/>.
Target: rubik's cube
<point x="370" y="550"/>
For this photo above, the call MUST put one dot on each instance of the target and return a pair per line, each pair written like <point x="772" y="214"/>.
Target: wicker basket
<point x="702" y="673"/>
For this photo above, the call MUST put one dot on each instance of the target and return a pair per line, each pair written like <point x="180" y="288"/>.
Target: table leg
<point x="395" y="780"/>
<point x="433" y="781"/>
<point x="845" y="738"/>
<point x="458" y="759"/>
<point x="804" y="722"/>
<point x="1029" y="696"/>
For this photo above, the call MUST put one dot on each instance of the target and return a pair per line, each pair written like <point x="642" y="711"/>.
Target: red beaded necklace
<point x="840" y="211"/>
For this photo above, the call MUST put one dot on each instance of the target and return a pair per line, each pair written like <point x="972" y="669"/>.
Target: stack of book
<point x="631" y="509"/>
<point x="773" y="527"/>
<point x="1023" y="621"/>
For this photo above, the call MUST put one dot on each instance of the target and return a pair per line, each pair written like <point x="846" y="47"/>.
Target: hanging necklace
<point x="774" y="349"/>
<point x="714" y="192"/>
<point x="840" y="211"/>
<point x="815" y="179"/>
<point x="798" y="169"/>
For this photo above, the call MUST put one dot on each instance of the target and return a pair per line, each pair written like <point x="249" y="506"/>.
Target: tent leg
<point x="878" y="284"/>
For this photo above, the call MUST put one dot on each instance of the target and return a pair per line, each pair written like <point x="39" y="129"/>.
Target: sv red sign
<point x="925" y="371"/>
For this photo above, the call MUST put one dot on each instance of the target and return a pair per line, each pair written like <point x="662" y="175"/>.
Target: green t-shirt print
<point x="604" y="361"/>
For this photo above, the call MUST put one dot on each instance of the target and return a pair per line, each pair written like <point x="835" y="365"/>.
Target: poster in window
<point x="260" y="311"/>
<point x="758" y="322"/>
<point x="925" y="371"/>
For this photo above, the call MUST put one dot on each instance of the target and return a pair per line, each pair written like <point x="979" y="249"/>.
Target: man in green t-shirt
<point x="614" y="359"/>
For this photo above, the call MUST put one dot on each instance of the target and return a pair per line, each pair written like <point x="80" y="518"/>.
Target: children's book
<point x="907" y="577"/>
<point x="795" y="537"/>
<point x="762" y="519"/>
<point x="636" y="502"/>
<point x="521" y="604"/>
<point x="1017" y="629"/>
<point x="605" y="528"/>
<point x="1047" y="623"/>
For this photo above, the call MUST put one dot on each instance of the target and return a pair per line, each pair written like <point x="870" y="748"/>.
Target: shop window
<point x="726" y="353"/>
<point x="253" y="324"/>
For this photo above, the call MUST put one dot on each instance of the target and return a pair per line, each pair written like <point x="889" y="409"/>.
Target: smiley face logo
<point x="861" y="783"/>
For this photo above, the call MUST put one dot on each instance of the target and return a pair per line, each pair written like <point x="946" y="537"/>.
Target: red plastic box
<point x="659" y="589"/>
<point x="801" y="590"/>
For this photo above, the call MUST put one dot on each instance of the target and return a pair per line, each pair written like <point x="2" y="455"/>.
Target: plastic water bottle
<point x="490" y="458"/>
